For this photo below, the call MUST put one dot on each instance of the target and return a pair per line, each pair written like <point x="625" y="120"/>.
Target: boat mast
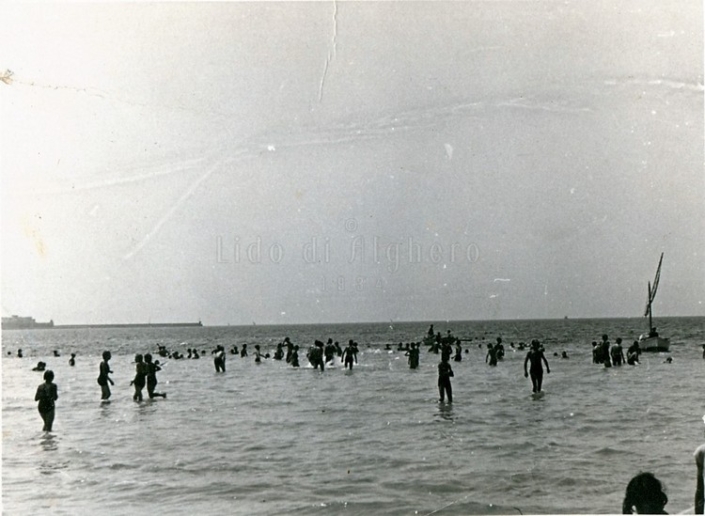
<point x="652" y="293"/>
<point x="648" y="308"/>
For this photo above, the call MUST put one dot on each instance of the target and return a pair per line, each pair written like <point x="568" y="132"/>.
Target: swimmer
<point x="41" y="366"/>
<point x="47" y="394"/>
<point x="72" y="360"/>
<point x="258" y="354"/>
<point x="294" y="361"/>
<point x="103" y="378"/>
<point x="444" y="375"/>
<point x="243" y="352"/>
<point x="152" y="368"/>
<point x="19" y="353"/>
<point x="536" y="356"/>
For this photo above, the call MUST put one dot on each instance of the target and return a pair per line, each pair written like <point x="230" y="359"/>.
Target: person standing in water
<point x="349" y="354"/>
<point x="536" y="356"/>
<point x="444" y="375"/>
<point x="72" y="360"/>
<point x="140" y="377"/>
<point x="47" y="394"/>
<point x="413" y="354"/>
<point x="103" y="378"/>
<point x="152" y="368"/>
<point x="458" y="351"/>
<point x="605" y="347"/>
<point x="219" y="359"/>
<point x="633" y="353"/>
<point x="491" y="354"/>
<point x="617" y="354"/>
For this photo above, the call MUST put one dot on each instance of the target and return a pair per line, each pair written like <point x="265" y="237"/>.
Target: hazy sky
<point x="330" y="162"/>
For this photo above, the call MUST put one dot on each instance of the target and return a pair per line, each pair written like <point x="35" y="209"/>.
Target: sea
<point x="269" y="439"/>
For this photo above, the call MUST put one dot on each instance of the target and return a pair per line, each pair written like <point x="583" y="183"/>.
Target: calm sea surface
<point x="269" y="439"/>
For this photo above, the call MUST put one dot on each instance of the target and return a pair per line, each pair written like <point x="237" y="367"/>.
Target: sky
<point x="317" y="162"/>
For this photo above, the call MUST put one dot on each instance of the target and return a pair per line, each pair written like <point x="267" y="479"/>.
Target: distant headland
<point x="28" y="323"/>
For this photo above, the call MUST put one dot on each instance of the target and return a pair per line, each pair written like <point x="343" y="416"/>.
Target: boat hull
<point x="654" y="343"/>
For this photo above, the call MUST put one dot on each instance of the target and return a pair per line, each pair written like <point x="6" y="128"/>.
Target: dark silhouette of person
<point x="644" y="495"/>
<point x="103" y="379"/>
<point x="444" y="375"/>
<point x="47" y="394"/>
<point x="219" y="359"/>
<point x="140" y="377"/>
<point x="536" y="356"/>
<point x="152" y="368"/>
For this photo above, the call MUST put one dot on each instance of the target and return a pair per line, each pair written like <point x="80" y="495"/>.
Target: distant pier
<point x="28" y="323"/>
<point x="131" y="325"/>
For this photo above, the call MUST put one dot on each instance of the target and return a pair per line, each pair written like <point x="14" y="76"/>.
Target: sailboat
<point x="652" y="341"/>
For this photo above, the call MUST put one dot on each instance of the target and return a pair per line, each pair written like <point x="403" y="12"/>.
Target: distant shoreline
<point x="117" y="325"/>
<point x="199" y="324"/>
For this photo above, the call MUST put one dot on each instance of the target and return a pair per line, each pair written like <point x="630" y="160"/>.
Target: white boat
<point x="653" y="341"/>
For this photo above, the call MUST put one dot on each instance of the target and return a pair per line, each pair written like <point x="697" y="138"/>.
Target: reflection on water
<point x="445" y="411"/>
<point x="49" y="464"/>
<point x="49" y="442"/>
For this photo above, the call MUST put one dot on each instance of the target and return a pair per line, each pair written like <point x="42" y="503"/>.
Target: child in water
<point x="103" y="378"/>
<point x="444" y="375"/>
<point x="47" y="394"/>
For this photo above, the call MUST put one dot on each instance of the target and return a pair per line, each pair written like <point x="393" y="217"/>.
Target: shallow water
<point x="269" y="439"/>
